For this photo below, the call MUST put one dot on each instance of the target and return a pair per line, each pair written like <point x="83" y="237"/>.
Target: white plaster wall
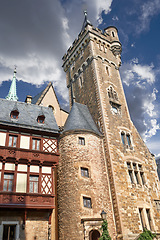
<point x="21" y="185"/>
<point x="24" y="143"/>
<point x="46" y="170"/>
<point x="2" y="139"/>
<point x="34" y="169"/>
<point x="22" y="168"/>
<point x="9" y="166"/>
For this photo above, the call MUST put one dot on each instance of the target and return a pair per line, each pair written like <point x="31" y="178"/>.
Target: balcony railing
<point x="26" y="154"/>
<point x="26" y="200"/>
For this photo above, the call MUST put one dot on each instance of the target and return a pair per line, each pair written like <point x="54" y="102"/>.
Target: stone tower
<point x="131" y="187"/>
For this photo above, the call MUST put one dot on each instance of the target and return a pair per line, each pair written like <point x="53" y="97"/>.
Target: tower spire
<point x="12" y="95"/>
<point x="86" y="21"/>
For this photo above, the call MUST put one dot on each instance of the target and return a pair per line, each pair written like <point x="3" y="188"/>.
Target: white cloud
<point x="141" y="95"/>
<point x="148" y="10"/>
<point x="115" y="18"/>
<point x="151" y="130"/>
<point x="143" y="73"/>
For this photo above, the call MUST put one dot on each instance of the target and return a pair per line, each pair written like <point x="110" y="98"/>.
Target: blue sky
<point x="36" y="34"/>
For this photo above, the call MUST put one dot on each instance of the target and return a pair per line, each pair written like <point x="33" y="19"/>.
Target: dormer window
<point x="14" y="114"/>
<point x="41" y="119"/>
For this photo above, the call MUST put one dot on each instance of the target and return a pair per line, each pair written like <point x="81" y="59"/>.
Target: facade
<point x="114" y="171"/>
<point x="28" y="159"/>
<point x="99" y="158"/>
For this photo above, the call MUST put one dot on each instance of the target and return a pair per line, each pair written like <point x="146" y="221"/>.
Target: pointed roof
<point x="86" y="21"/>
<point x="80" y="119"/>
<point x="12" y="95"/>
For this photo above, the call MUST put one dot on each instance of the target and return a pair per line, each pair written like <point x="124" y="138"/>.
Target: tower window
<point x="107" y="70"/>
<point x="126" y="140"/>
<point x="113" y="35"/>
<point x="136" y="173"/>
<point x="84" y="172"/>
<point x="81" y="140"/>
<point x="123" y="137"/>
<point x="87" y="202"/>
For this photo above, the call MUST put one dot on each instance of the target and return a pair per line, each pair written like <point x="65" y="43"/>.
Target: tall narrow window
<point x="107" y="70"/>
<point x="142" y="217"/>
<point x="149" y="218"/>
<point x="123" y="137"/>
<point x="136" y="175"/>
<point x="87" y="202"/>
<point x="36" y="144"/>
<point x="12" y="141"/>
<point x="142" y="177"/>
<point x="8" y="182"/>
<point x="33" y="184"/>
<point x="128" y="140"/>
<point x="131" y="176"/>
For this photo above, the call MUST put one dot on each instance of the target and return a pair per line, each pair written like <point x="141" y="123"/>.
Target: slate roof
<point x="27" y="117"/>
<point x="80" y="119"/>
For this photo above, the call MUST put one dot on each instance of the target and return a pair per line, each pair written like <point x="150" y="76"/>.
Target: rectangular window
<point x="131" y="176"/>
<point x="123" y="138"/>
<point x="142" y="177"/>
<point x="149" y="218"/>
<point x="87" y="202"/>
<point x="142" y="217"/>
<point x="137" y="179"/>
<point x="128" y="140"/>
<point x="12" y="141"/>
<point x="36" y="144"/>
<point x="81" y="141"/>
<point x="33" y="184"/>
<point x="8" y="182"/>
<point x="84" y="172"/>
<point x="9" y="232"/>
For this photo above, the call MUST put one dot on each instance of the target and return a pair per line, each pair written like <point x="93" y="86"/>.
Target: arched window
<point x="123" y="137"/>
<point x="50" y="106"/>
<point x="94" y="235"/>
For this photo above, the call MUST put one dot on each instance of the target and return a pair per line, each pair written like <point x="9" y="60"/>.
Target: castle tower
<point x="92" y="70"/>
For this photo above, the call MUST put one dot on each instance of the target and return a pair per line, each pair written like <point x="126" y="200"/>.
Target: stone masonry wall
<point x="72" y="186"/>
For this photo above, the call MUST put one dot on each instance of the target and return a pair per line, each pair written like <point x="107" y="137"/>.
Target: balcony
<point x="26" y="200"/>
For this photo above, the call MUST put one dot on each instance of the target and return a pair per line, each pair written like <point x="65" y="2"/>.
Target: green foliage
<point x="105" y="233"/>
<point x="146" y="235"/>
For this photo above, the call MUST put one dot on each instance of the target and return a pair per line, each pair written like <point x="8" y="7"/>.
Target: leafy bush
<point x="148" y="235"/>
<point x="105" y="233"/>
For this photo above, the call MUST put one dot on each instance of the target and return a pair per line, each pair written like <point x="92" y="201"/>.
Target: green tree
<point x="105" y="233"/>
<point x="146" y="235"/>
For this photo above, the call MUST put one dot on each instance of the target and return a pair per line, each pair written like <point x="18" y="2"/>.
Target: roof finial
<point x="86" y="21"/>
<point x="12" y="95"/>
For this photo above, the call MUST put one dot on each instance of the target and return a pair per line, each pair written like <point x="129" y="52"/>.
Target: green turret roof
<point x="12" y="95"/>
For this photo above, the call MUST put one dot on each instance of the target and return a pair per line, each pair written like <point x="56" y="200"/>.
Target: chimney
<point x="28" y="99"/>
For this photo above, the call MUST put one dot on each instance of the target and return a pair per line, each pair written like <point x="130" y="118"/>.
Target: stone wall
<point x="75" y="220"/>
